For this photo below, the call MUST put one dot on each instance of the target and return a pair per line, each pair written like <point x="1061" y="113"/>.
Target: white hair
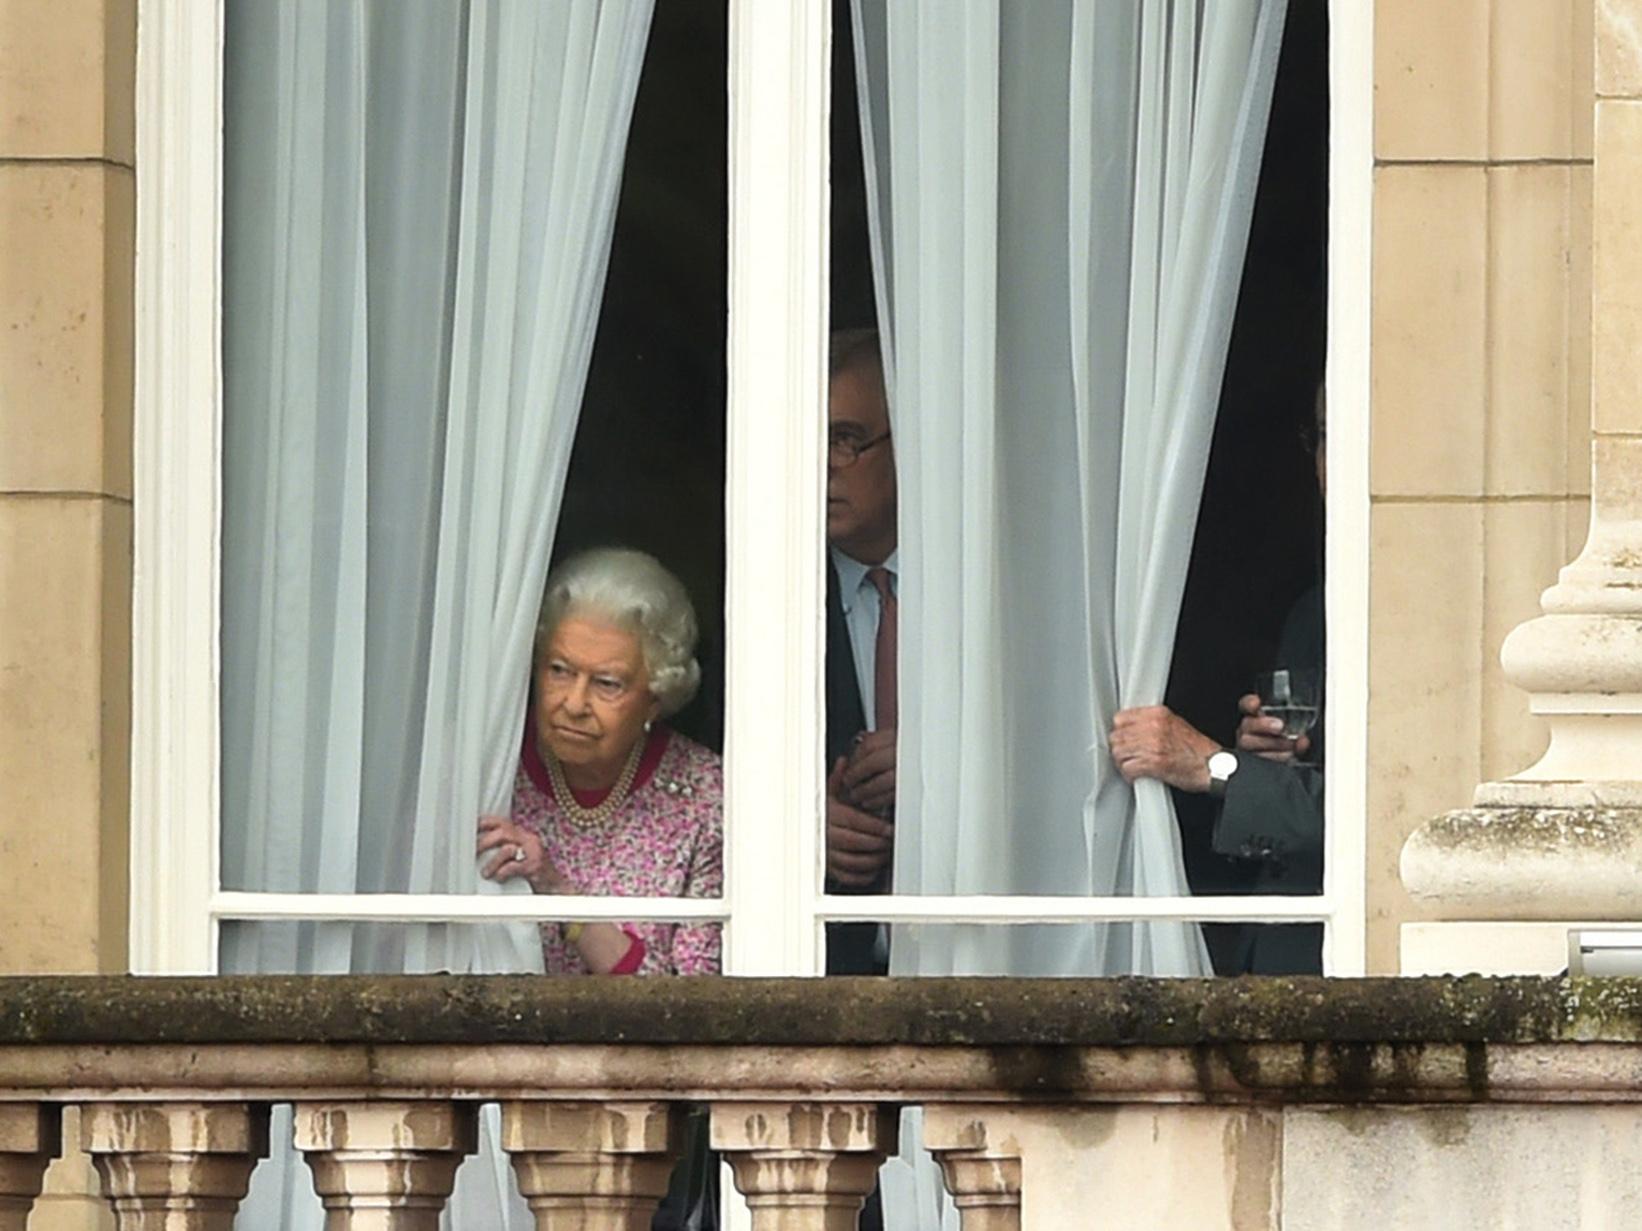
<point x="635" y="591"/>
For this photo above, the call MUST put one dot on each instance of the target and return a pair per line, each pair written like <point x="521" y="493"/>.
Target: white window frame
<point x="774" y="905"/>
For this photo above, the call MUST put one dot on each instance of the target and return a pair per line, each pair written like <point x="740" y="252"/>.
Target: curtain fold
<point x="1059" y="199"/>
<point x="418" y="206"/>
<point x="1059" y="196"/>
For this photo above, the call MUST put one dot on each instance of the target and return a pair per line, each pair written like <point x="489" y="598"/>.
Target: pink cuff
<point x="632" y="959"/>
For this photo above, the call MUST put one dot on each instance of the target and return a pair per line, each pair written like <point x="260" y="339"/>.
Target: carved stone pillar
<point x="1562" y="840"/>
<point x="174" y="1166"/>
<point x="591" y="1166"/>
<point x="982" y="1174"/>
<point x="30" y="1137"/>
<point x="385" y="1166"/>
<point x="804" y="1166"/>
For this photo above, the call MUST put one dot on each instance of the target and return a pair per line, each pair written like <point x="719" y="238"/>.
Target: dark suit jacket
<point x="1273" y="814"/>
<point x="851" y="947"/>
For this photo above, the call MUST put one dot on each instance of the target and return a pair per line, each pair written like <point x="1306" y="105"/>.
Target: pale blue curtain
<point x="1059" y="196"/>
<point x="418" y="204"/>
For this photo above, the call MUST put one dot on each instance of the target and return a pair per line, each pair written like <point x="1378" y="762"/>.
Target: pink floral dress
<point x="666" y="840"/>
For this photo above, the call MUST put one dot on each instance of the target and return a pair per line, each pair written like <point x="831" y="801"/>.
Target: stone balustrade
<point x="1239" y="1104"/>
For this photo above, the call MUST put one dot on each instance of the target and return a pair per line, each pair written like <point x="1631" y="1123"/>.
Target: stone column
<point x="385" y="1166"/>
<point x="29" y="1139"/>
<point x="1562" y="840"/>
<point x="982" y="1174"/>
<point x="174" y="1166"/>
<point x="804" y="1166"/>
<point x="591" y="1166"/>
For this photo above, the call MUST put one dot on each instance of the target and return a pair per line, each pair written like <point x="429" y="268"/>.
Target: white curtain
<point x="1059" y="195"/>
<point x="418" y="207"/>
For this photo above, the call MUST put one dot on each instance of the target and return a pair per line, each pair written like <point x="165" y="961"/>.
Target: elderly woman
<point x="609" y="800"/>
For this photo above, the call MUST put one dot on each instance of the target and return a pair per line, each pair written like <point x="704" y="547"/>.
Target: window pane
<point x="1072" y="457"/>
<point x="471" y="333"/>
<point x="282" y="946"/>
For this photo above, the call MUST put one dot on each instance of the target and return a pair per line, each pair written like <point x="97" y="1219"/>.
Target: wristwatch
<point x="1222" y="765"/>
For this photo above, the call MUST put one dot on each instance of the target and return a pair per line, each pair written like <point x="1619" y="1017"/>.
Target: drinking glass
<point x="1292" y="695"/>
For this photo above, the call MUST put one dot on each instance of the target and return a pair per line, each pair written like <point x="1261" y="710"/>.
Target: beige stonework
<point x="64" y="715"/>
<point x="1532" y="259"/>
<point x="980" y="1158"/>
<point x="67" y="69"/>
<point x="1425" y="687"/>
<point x="1431" y="79"/>
<point x="1540" y="55"/>
<point x="67" y="220"/>
<point x="1136" y="1167"/>
<point x="174" y="1166"/>
<point x="1617" y="367"/>
<point x="1440" y="1169"/>
<point x="1481" y="392"/>
<point x="1524" y="542"/>
<point x="1560" y="838"/>
<point x="1132" y="1105"/>
<point x="386" y="1166"/>
<point x="1429" y="330"/>
<point x="65" y="327"/>
<point x="804" y="1166"/>
<point x="29" y="1140"/>
<point x="592" y="1166"/>
<point x="72" y="1198"/>
<point x="1619" y="48"/>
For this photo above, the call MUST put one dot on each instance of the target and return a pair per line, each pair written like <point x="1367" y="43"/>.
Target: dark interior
<point x="1259" y="531"/>
<point x="647" y="469"/>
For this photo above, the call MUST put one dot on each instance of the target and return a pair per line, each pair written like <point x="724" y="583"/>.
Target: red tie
<point x="884" y="674"/>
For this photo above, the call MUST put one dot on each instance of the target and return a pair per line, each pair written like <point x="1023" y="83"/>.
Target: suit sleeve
<point x="1271" y="812"/>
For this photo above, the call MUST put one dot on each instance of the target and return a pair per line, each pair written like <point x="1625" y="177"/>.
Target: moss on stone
<point x="1002" y="1014"/>
<point x="1537" y="831"/>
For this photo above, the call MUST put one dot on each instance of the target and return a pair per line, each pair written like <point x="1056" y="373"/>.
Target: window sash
<point x="176" y="486"/>
<point x="779" y="241"/>
<point x="872" y="908"/>
<point x="1348" y="540"/>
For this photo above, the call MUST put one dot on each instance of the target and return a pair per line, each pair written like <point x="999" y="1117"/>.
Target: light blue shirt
<point x="862" y="607"/>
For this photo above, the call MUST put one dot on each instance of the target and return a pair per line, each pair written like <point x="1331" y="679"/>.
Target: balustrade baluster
<point x="174" y="1166"/>
<point x="385" y="1166"/>
<point x="591" y="1166"/>
<point x="983" y="1175"/>
<point x="804" y="1166"/>
<point x="30" y="1137"/>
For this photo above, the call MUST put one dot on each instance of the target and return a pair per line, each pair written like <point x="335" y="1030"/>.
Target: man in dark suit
<point x="862" y="585"/>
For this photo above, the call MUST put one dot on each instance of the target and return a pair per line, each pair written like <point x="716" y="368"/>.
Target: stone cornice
<point x="991" y="1013"/>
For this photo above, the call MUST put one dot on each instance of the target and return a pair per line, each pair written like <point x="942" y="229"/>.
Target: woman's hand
<point x="518" y="853"/>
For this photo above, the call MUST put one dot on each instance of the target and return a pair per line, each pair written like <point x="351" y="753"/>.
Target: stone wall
<point x="67" y="216"/>
<point x="1481" y="393"/>
<point x="67" y="219"/>
<point x="1222" y="1105"/>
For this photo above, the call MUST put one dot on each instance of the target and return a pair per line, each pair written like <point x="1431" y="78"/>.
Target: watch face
<point x="1222" y="765"/>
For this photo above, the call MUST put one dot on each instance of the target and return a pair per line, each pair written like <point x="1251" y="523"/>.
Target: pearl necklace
<point x="597" y="816"/>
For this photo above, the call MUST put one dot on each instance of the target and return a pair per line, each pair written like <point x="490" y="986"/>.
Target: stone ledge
<point x="1526" y="862"/>
<point x="1128" y="1012"/>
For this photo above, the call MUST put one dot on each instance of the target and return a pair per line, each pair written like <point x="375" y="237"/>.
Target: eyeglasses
<point x="843" y="451"/>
